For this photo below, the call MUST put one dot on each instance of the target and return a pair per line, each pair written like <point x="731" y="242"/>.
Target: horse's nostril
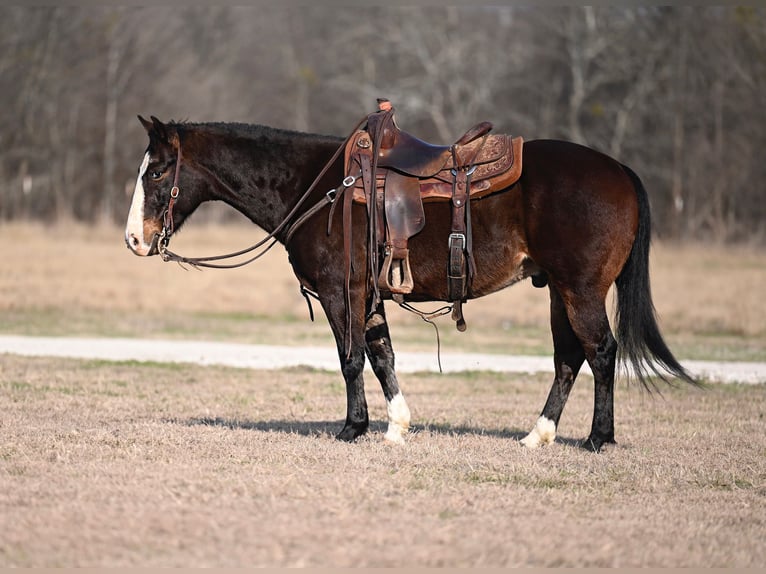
<point x="133" y="241"/>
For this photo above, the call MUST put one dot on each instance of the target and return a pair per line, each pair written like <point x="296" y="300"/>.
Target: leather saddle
<point x="396" y="173"/>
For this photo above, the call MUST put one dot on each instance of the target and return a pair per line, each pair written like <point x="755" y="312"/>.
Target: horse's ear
<point x="156" y="129"/>
<point x="159" y="128"/>
<point x="146" y="123"/>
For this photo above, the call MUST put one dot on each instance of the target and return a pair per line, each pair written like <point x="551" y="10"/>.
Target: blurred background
<point x="677" y="93"/>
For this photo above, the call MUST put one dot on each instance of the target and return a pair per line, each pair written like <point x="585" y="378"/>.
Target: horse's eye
<point x="155" y="174"/>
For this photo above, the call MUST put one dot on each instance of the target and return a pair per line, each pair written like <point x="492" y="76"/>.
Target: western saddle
<point x="393" y="173"/>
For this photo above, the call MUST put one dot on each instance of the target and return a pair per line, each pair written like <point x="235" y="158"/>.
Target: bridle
<point x="161" y="240"/>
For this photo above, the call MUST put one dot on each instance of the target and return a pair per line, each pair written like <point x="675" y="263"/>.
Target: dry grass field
<point x="140" y="464"/>
<point x="107" y="464"/>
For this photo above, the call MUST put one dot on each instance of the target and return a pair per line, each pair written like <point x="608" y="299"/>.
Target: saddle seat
<point x="413" y="156"/>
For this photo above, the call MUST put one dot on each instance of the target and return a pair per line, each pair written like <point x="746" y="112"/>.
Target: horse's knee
<point x="352" y="366"/>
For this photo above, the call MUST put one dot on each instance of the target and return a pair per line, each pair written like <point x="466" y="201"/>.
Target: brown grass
<point x="70" y="280"/>
<point x="163" y="465"/>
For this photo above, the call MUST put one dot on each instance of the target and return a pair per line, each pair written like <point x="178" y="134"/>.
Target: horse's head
<point x="151" y="209"/>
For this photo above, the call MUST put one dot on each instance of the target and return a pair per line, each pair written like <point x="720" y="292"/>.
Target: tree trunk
<point x="677" y="189"/>
<point x="110" y="130"/>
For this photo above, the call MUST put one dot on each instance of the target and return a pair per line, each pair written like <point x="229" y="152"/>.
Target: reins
<point x="163" y="240"/>
<point x="168" y="229"/>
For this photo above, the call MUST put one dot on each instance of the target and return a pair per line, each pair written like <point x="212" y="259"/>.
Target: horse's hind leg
<point x="381" y="355"/>
<point x="568" y="357"/>
<point x="587" y="315"/>
<point x="603" y="367"/>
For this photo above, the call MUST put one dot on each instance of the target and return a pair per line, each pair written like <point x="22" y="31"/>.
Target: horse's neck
<point x="264" y="176"/>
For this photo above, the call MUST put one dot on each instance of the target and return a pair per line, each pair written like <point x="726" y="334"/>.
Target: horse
<point x="576" y="221"/>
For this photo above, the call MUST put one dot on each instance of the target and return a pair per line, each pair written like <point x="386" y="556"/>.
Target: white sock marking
<point x="398" y="419"/>
<point x="543" y="433"/>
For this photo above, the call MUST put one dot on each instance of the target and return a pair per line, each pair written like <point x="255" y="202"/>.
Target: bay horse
<point x="577" y="221"/>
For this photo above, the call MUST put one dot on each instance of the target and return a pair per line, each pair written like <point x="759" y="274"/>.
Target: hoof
<point x="350" y="433"/>
<point x="595" y="444"/>
<point x="543" y="433"/>
<point x="394" y="436"/>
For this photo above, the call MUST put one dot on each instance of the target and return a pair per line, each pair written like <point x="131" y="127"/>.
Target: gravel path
<point x="277" y="357"/>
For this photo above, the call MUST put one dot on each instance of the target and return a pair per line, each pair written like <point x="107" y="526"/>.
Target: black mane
<point x="249" y="131"/>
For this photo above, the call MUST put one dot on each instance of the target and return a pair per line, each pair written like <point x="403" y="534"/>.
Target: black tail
<point x="640" y="343"/>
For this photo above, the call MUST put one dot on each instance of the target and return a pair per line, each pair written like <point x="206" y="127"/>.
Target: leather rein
<point x="161" y="240"/>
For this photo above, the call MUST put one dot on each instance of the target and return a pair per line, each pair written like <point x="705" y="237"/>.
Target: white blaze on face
<point x="134" y="231"/>
<point x="543" y="433"/>
<point x="398" y="419"/>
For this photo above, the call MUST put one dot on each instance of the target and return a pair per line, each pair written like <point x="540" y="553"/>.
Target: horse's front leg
<point x="381" y="355"/>
<point x="357" y="418"/>
<point x="351" y="360"/>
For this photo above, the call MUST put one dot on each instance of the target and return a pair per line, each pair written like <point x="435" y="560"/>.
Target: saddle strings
<point x="429" y="318"/>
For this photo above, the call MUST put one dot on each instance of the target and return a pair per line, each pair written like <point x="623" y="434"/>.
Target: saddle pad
<point x="497" y="167"/>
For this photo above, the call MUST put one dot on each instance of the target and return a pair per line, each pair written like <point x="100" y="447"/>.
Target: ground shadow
<point x="331" y="428"/>
<point x="304" y="428"/>
<point x="513" y="434"/>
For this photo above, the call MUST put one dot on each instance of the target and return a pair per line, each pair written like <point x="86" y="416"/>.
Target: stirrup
<point x="396" y="274"/>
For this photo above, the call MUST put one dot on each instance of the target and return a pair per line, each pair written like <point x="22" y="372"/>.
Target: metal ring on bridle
<point x="349" y="181"/>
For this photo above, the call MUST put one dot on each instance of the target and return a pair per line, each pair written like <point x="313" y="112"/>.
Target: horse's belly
<point x="499" y="248"/>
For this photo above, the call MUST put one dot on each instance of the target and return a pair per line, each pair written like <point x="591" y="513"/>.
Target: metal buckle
<point x="331" y="195"/>
<point x="453" y="171"/>
<point x="456" y="237"/>
<point x="174" y="192"/>
<point x="349" y="181"/>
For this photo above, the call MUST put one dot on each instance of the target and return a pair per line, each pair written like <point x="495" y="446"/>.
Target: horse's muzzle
<point x="137" y="247"/>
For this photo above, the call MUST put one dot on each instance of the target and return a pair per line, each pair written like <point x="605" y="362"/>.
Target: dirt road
<point x="277" y="357"/>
